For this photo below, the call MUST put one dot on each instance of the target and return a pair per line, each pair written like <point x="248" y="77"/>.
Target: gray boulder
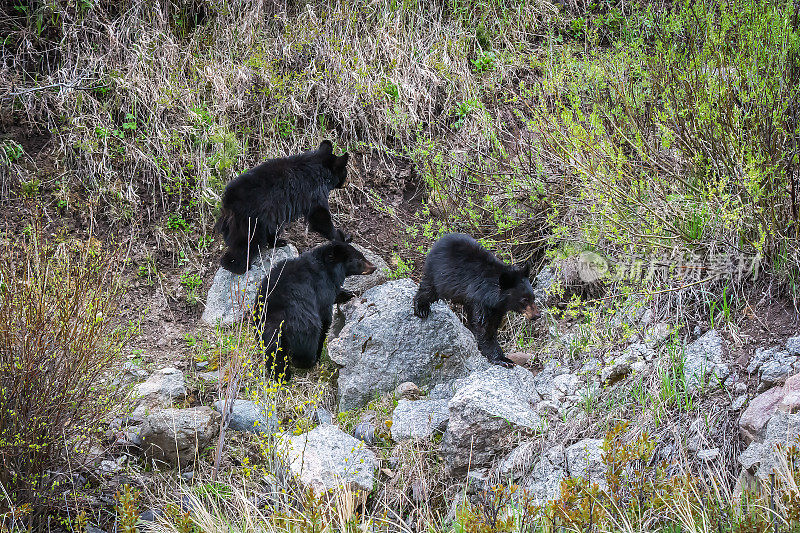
<point x="419" y="419"/>
<point x="231" y="296"/>
<point x="704" y="366"/>
<point x="793" y="346"/>
<point x="383" y="344"/>
<point x="584" y="459"/>
<point x="774" y="365"/>
<point x="489" y="406"/>
<point x="517" y="463"/>
<point x="176" y="436"/>
<point x="762" y="457"/>
<point x="326" y="458"/>
<point x="162" y="389"/>
<point x="248" y="416"/>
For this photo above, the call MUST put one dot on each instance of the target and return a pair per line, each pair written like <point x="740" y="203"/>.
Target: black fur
<point x="292" y="311"/>
<point x="459" y="269"/>
<point x="256" y="205"/>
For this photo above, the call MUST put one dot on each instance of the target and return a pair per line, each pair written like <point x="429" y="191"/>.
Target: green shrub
<point x="58" y="344"/>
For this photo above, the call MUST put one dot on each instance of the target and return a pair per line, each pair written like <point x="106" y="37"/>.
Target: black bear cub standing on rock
<point x="459" y="269"/>
<point x="293" y="308"/>
<point x="256" y="205"/>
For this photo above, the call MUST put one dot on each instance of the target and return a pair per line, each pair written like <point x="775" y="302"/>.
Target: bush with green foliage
<point x="58" y="348"/>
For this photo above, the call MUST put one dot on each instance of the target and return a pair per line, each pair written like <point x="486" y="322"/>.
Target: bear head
<point x="516" y="291"/>
<point x="342" y="253"/>
<point x="336" y="165"/>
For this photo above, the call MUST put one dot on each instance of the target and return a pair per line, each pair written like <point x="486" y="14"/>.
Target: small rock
<point x="407" y="390"/>
<point x="326" y="458"/>
<point x="209" y="378"/>
<point x="365" y="432"/>
<point x="230" y="296"/>
<point x="176" y="436"/>
<point x="708" y="454"/>
<point x="110" y="467"/>
<point x="617" y="370"/>
<point x="784" y="398"/>
<point x="740" y="388"/>
<point x="162" y="389"/>
<point x="486" y="408"/>
<point x="584" y="459"/>
<point x="793" y="346"/>
<point x="150" y="515"/>
<point x="249" y="416"/>
<point x="517" y="463"/>
<point x="760" y="458"/>
<point x="201" y="365"/>
<point x="543" y="284"/>
<point x="321" y="416"/>
<point x="477" y="481"/>
<point x="133" y="371"/>
<point x="520" y="358"/>
<point x="657" y="335"/>
<point x="738" y="402"/>
<point x="775" y="371"/>
<point x="704" y="366"/>
<point x="791" y="395"/>
<point x="758" y="412"/>
<point x="419" y="419"/>
<point x="546" y="407"/>
<point x="187" y="476"/>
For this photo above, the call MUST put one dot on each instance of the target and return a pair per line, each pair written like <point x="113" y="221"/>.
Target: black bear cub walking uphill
<point x="257" y="204"/>
<point x="459" y="269"/>
<point x="294" y="305"/>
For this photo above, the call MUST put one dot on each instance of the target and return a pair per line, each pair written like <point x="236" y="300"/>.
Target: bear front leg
<point x="344" y="295"/>
<point x="319" y="220"/>
<point x="426" y="295"/>
<point x="484" y="323"/>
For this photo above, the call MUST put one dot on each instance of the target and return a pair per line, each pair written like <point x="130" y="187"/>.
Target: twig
<point x="76" y="87"/>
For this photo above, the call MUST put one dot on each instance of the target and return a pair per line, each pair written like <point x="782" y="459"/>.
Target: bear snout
<point x="532" y="312"/>
<point x="369" y="268"/>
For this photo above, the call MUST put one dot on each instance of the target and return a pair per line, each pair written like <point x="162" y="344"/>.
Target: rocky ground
<point x="404" y="380"/>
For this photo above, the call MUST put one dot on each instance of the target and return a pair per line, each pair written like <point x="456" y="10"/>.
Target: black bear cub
<point x="256" y="205"/>
<point x="293" y="307"/>
<point x="459" y="269"/>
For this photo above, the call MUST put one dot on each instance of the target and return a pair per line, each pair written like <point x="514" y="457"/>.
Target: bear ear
<point x="340" y="163"/>
<point x="325" y="147"/>
<point x="526" y="271"/>
<point x="508" y="280"/>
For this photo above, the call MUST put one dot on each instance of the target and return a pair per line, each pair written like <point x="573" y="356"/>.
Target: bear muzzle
<point x="532" y="312"/>
<point x="369" y="268"/>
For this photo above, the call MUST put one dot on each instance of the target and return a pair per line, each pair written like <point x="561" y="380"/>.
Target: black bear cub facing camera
<point x="293" y="307"/>
<point x="459" y="269"/>
<point x="257" y="204"/>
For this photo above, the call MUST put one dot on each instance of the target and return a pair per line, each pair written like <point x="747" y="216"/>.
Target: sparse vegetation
<point x="660" y="140"/>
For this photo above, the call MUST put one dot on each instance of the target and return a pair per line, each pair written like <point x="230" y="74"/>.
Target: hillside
<point x="641" y="158"/>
